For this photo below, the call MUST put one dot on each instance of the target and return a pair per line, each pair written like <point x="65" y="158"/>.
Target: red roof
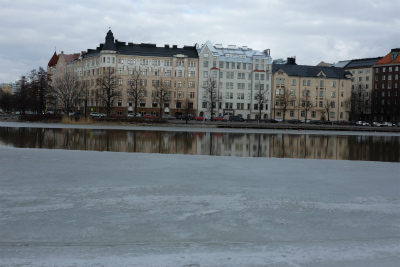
<point x="53" y="61"/>
<point x="70" y="58"/>
<point x="388" y="59"/>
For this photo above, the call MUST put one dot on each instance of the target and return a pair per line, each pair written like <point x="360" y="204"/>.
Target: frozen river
<point x="89" y="208"/>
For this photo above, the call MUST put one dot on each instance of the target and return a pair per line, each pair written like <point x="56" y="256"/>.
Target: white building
<point x="240" y="73"/>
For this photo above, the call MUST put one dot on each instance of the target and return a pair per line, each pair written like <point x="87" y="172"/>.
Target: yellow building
<point x="309" y="92"/>
<point x="174" y="68"/>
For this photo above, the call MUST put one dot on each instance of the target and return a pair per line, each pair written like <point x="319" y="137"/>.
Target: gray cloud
<point x="310" y="30"/>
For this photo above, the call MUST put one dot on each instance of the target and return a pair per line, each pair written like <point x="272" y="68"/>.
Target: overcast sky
<point x="311" y="30"/>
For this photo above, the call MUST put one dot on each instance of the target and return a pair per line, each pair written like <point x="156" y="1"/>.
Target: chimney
<point x="291" y="61"/>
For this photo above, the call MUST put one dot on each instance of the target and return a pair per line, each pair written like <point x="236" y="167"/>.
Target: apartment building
<point x="386" y="88"/>
<point x="309" y="92"/>
<point x="361" y="85"/>
<point x="174" y="68"/>
<point x="242" y="77"/>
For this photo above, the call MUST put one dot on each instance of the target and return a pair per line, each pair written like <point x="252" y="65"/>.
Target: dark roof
<point x="310" y="71"/>
<point x="141" y="49"/>
<point x="109" y="44"/>
<point x="362" y="63"/>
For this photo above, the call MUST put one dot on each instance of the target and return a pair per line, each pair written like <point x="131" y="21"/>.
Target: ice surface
<point x="85" y="208"/>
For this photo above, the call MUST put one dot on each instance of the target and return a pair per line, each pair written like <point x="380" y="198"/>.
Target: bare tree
<point x="260" y="101"/>
<point x="136" y="90"/>
<point x="328" y="105"/>
<point x="66" y="90"/>
<point x="359" y="102"/>
<point x="306" y="103"/>
<point x="284" y="100"/>
<point x="211" y="96"/>
<point x="6" y="101"/>
<point x="187" y="107"/>
<point x="109" y="87"/>
<point x="22" y="96"/>
<point x="161" y="93"/>
<point x="39" y="89"/>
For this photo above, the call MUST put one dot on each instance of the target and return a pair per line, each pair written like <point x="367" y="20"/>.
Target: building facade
<point x="309" y="92"/>
<point x="240" y="74"/>
<point x="386" y="88"/>
<point x="175" y="68"/>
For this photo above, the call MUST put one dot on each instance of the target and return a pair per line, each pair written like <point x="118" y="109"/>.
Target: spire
<point x="54" y="59"/>
<point x="109" y="44"/>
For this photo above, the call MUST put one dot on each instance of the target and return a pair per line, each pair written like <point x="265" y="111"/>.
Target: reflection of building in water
<point x="233" y="144"/>
<point x="317" y="146"/>
<point x="309" y="146"/>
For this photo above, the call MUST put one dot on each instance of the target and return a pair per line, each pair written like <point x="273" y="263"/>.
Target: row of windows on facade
<point x="292" y="92"/>
<point x="240" y="76"/>
<point x="396" y="77"/>
<point x="320" y="103"/>
<point x="142" y="104"/>
<point x="145" y="62"/>
<point x="143" y="72"/>
<point x="239" y="86"/>
<point x="384" y="94"/>
<point x="143" y="93"/>
<point x="237" y="65"/>
<point x="281" y="81"/>
<point x="388" y="86"/>
<point x="292" y="113"/>
<point x="390" y="69"/>
<point x="242" y="106"/>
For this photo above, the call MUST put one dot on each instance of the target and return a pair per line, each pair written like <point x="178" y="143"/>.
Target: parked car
<point x="207" y="118"/>
<point x="168" y="117"/>
<point x="271" y="120"/>
<point x="307" y="121"/>
<point x="376" y="124"/>
<point x="132" y="115"/>
<point x="295" y="121"/>
<point x="343" y="122"/>
<point x="219" y="118"/>
<point x="77" y="113"/>
<point x="236" y="118"/>
<point x="113" y="115"/>
<point x="398" y="124"/>
<point x="149" y="116"/>
<point x="362" y="123"/>
<point x="351" y="123"/>
<point x="317" y="122"/>
<point x="94" y="114"/>
<point x="387" y="123"/>
<point x="50" y="112"/>
<point x="279" y="120"/>
<point x="199" y="118"/>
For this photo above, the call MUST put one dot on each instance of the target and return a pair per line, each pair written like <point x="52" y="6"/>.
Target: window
<point x="293" y="82"/>
<point x="293" y="92"/>
<point x="332" y="115"/>
<point x="204" y="104"/>
<point x="205" y="64"/>
<point x="192" y="74"/>
<point x="205" y="74"/>
<point x="156" y="72"/>
<point x="119" y="81"/>
<point x="291" y="113"/>
<point x="333" y="94"/>
<point x="321" y="93"/>
<point x="313" y="114"/>
<point x="214" y="74"/>
<point x="191" y="84"/>
<point x="191" y="94"/>
<point x="321" y="83"/>
<point x="168" y="73"/>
